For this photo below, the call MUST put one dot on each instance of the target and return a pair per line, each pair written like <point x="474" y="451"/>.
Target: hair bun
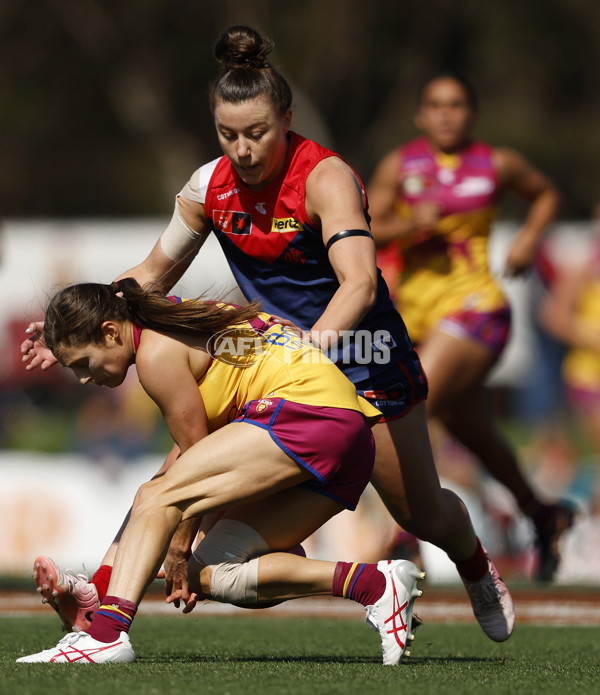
<point x="242" y="47"/>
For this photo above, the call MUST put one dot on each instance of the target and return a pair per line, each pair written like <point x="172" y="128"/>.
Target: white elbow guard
<point x="179" y="239"/>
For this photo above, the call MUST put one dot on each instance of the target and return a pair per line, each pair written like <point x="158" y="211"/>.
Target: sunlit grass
<point x="261" y="654"/>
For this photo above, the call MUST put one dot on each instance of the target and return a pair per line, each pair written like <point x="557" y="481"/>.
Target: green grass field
<point x="268" y="655"/>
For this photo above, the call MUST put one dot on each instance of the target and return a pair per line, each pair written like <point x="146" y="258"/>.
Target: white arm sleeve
<point x="195" y="189"/>
<point x="179" y="240"/>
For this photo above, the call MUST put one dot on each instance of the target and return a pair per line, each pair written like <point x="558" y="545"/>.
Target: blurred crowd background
<point x="104" y="117"/>
<point x="104" y="103"/>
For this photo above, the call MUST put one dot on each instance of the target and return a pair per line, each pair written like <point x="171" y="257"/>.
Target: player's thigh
<point x="452" y="365"/>
<point x="469" y="416"/>
<point x="287" y="517"/>
<point x="238" y="463"/>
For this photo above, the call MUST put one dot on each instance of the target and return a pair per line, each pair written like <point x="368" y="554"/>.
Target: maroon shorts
<point x="583" y="400"/>
<point x="490" y="328"/>
<point x="334" y="445"/>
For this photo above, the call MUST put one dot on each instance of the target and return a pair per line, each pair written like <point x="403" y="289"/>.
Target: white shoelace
<point x="78" y="576"/>
<point x="72" y="637"/>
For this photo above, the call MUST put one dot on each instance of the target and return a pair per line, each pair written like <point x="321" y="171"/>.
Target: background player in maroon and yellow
<point x="437" y="197"/>
<point x="571" y="313"/>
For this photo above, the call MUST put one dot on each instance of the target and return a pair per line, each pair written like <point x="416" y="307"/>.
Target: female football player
<point x="291" y="218"/>
<point x="436" y="197"/>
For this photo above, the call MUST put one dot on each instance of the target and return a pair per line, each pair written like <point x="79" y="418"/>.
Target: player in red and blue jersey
<point x="436" y="197"/>
<point x="291" y="217"/>
<point x="276" y="252"/>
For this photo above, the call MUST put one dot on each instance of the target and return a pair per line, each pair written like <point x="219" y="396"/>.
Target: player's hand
<point x="34" y="351"/>
<point x="425" y="217"/>
<point x="175" y="594"/>
<point x="190" y="603"/>
<point x="307" y="336"/>
<point x="176" y="577"/>
<point x="286" y="323"/>
<point x="520" y="256"/>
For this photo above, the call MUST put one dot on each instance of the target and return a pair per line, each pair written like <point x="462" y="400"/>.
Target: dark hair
<point x="463" y="81"/>
<point x="245" y="73"/>
<point x="74" y="316"/>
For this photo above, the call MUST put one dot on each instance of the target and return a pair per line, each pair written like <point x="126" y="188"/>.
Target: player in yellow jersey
<point x="571" y="313"/>
<point x="436" y="197"/>
<point x="266" y="427"/>
<point x="292" y="219"/>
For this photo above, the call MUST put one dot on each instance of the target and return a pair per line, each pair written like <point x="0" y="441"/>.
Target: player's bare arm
<point x="558" y="312"/>
<point x="163" y="361"/>
<point x="334" y="199"/>
<point x="386" y="224"/>
<point x="518" y="175"/>
<point x="176" y="249"/>
<point x="167" y="262"/>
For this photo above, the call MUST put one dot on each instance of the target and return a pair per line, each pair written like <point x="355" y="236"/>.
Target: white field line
<point x="531" y="611"/>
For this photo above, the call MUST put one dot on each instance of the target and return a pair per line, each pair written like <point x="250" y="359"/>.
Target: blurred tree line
<point x="104" y="102"/>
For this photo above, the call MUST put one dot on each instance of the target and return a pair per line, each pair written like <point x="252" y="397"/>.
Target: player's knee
<point x="232" y="581"/>
<point x="449" y="519"/>
<point x="146" y="497"/>
<point x="235" y="582"/>
<point x="227" y="559"/>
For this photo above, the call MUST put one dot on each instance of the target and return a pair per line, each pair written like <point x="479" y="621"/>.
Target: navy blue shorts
<point x="395" y="391"/>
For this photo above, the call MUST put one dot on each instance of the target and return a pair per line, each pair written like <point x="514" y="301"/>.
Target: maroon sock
<point x="473" y="568"/>
<point x="114" y="616"/>
<point x="358" y="581"/>
<point x="101" y="580"/>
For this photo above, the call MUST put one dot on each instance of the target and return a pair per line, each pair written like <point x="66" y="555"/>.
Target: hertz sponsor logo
<point x="285" y="224"/>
